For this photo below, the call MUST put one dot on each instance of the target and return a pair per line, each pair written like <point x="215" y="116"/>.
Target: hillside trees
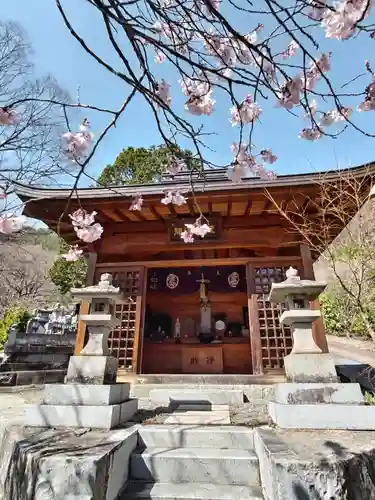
<point x="144" y="165"/>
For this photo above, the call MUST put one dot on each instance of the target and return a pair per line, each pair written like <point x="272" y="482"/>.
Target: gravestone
<point x="41" y="353"/>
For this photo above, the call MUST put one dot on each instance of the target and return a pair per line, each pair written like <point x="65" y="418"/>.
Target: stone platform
<point x="197" y="379"/>
<point x="83" y="405"/>
<point x="36" y="464"/>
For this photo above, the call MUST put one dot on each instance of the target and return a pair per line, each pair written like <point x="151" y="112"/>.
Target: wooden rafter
<point x="155" y="213"/>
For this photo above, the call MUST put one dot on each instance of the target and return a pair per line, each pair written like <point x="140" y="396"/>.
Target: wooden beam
<point x="121" y="213"/>
<point x="84" y="308"/>
<point x="319" y="334"/>
<point x="254" y="329"/>
<point x="139" y="215"/>
<point x="191" y="208"/>
<point x="155" y="213"/>
<point x="172" y="210"/>
<point x="248" y="208"/>
<point x="210" y="208"/>
<point x="229" y="209"/>
<point x="202" y="262"/>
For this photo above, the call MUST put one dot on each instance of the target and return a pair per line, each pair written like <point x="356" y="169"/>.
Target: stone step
<point x="185" y="436"/>
<point x="217" y="417"/>
<point x="190" y="491"/>
<point x="198" y="465"/>
<point x="166" y="396"/>
<point x="251" y="392"/>
<point x="323" y="416"/>
<point x="95" y="417"/>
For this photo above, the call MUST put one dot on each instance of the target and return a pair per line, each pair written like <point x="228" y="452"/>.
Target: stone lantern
<point x="306" y="362"/>
<point x="101" y="318"/>
<point x="90" y="396"/>
<point x="313" y="397"/>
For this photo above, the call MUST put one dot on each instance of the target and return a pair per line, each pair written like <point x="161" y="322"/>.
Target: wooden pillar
<point x="140" y="321"/>
<point x="255" y="340"/>
<point x="84" y="308"/>
<point x="138" y="341"/>
<point x="319" y="333"/>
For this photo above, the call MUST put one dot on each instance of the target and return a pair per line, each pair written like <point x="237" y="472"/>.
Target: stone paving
<point x="13" y="402"/>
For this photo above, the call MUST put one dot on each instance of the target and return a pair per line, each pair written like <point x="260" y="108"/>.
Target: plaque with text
<point x="202" y="360"/>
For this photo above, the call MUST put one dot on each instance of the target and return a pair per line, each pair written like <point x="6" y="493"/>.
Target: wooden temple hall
<point x="193" y="307"/>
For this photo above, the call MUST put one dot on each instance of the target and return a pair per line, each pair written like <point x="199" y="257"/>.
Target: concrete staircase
<point x="183" y="462"/>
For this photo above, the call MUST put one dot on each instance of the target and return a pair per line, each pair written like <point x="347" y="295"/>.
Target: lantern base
<point x="92" y="370"/>
<point x="310" y="367"/>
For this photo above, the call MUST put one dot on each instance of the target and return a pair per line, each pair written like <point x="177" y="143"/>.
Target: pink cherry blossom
<point x="81" y="218"/>
<point x="11" y="224"/>
<point x="246" y="112"/>
<point x="291" y="50"/>
<point x="315" y="70"/>
<point x="334" y="116"/>
<point x="369" y="103"/>
<point x="237" y="172"/>
<point x="73" y="254"/>
<point x="240" y="152"/>
<point x="290" y="93"/>
<point x="260" y="171"/>
<point x="313" y="105"/>
<point x="160" y="57"/>
<point x="223" y="48"/>
<point x="323" y="63"/>
<point x="89" y="234"/>
<point x="78" y="144"/>
<point x="200" y="105"/>
<point x="340" y="21"/>
<point x="137" y="203"/>
<point x="202" y="229"/>
<point x="268" y="156"/>
<point x="316" y="10"/>
<point x="199" y="228"/>
<point x="200" y="100"/>
<point x="311" y="134"/>
<point x="163" y="91"/>
<point x="175" y="165"/>
<point x="215" y="4"/>
<point x="187" y="236"/>
<point x="174" y="197"/>
<point x="8" y="116"/>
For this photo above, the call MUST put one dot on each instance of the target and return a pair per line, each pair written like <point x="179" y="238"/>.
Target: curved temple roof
<point x="215" y="180"/>
<point x="252" y="204"/>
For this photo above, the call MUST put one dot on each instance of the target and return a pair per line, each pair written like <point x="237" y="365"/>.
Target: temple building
<point x="198" y="307"/>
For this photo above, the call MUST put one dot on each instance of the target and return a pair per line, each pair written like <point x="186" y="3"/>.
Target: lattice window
<point x="276" y="340"/>
<point x="121" y="339"/>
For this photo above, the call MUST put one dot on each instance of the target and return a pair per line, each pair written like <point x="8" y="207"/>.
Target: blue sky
<point x="57" y="53"/>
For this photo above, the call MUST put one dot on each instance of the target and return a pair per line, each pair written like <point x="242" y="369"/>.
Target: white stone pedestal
<point x="90" y="397"/>
<point x="310" y="367"/>
<point x="321" y="406"/>
<point x="92" y="370"/>
<point x="83" y="405"/>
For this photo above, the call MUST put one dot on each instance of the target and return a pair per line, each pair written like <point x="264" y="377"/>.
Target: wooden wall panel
<point x="188" y="306"/>
<point x="168" y="358"/>
<point x="237" y="358"/>
<point x="161" y="358"/>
